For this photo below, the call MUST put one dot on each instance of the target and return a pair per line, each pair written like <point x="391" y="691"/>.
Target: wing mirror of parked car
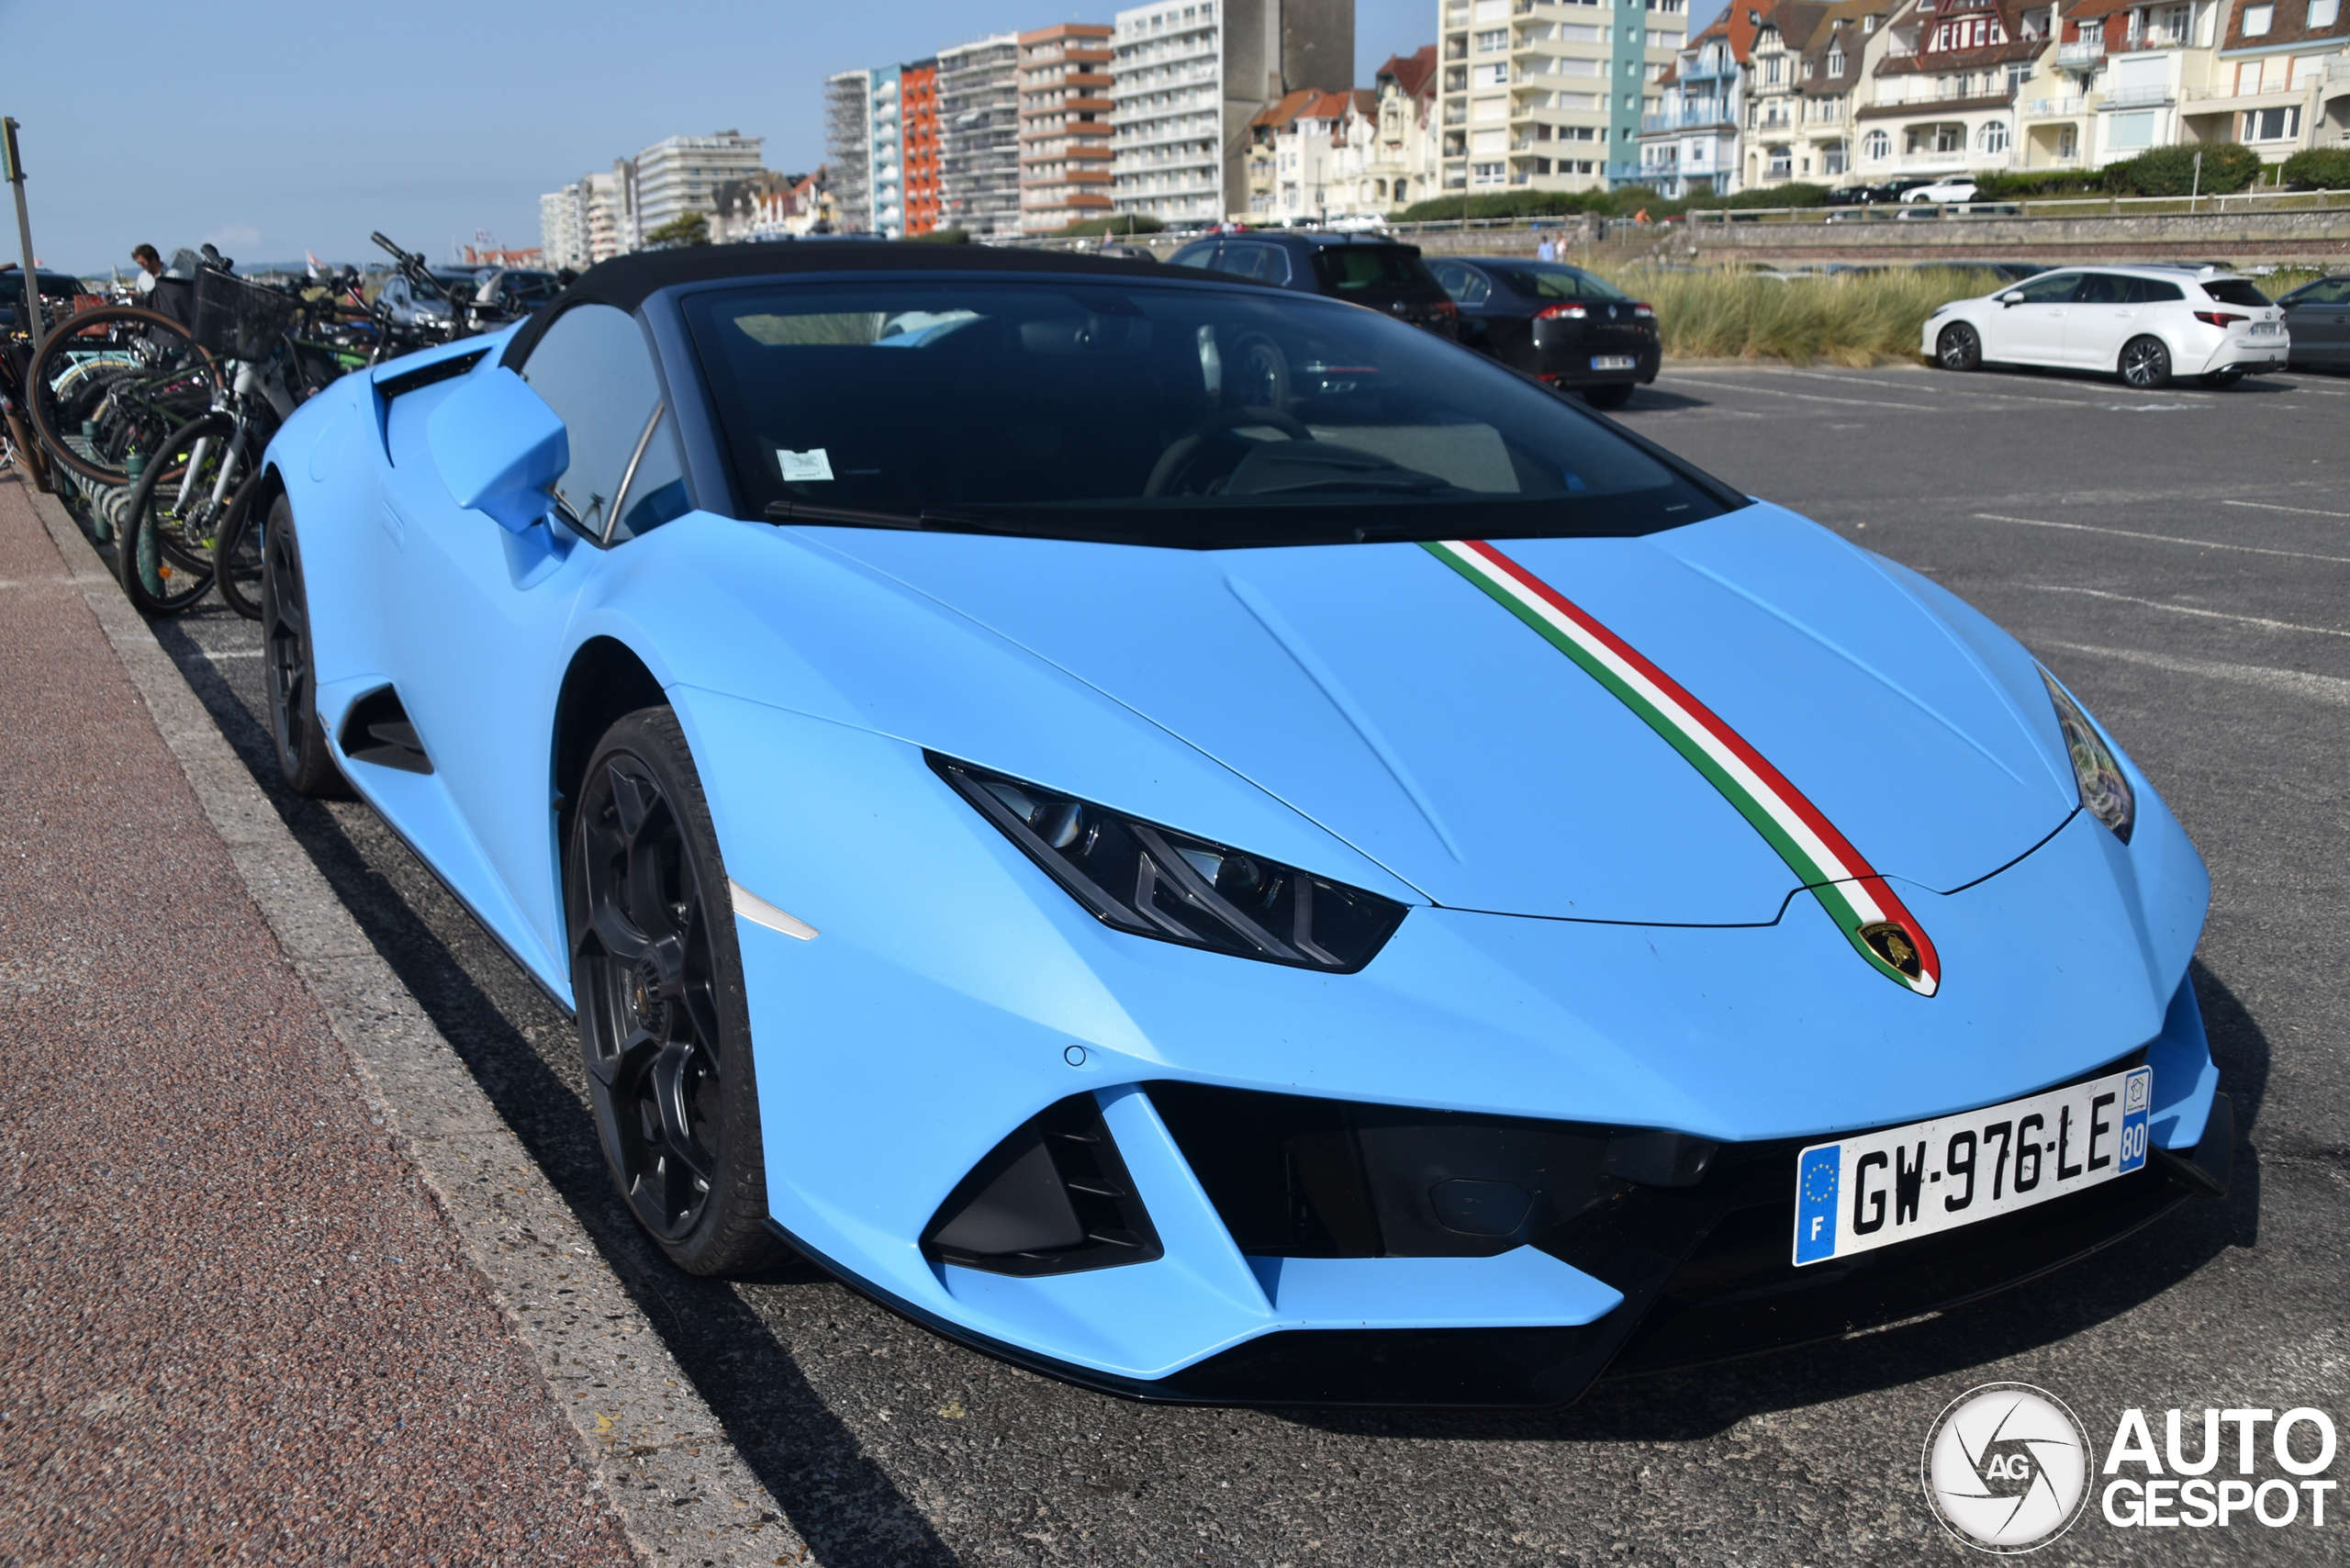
<point x="499" y="448"/>
<point x="2014" y="297"/>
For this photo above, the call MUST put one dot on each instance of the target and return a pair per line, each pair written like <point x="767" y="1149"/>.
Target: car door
<point x="1254" y="259"/>
<point x="2032" y="330"/>
<point x="1485" y="311"/>
<point x="2319" y="318"/>
<point x="2102" y="316"/>
<point x="483" y="612"/>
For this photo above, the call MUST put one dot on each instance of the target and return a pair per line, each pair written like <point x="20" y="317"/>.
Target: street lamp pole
<point x="14" y="164"/>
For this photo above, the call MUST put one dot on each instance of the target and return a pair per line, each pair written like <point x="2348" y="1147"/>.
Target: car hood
<point x="1382" y="694"/>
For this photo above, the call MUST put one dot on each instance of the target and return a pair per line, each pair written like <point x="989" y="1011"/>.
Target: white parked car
<point x="2145" y="324"/>
<point x="1956" y="188"/>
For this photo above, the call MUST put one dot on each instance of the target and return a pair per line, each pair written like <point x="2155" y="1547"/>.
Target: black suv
<point x="1359" y="269"/>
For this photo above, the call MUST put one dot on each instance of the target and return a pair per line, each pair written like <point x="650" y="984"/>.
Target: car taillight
<point x="1447" y="308"/>
<point x="2218" y="317"/>
<point x="1646" y="312"/>
<point x="1563" y="312"/>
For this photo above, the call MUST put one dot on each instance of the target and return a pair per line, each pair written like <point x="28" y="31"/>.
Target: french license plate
<point x="2266" y="328"/>
<point x="1611" y="362"/>
<point x="1869" y="1191"/>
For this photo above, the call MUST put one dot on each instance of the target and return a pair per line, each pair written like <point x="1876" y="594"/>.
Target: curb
<point x="660" y="1457"/>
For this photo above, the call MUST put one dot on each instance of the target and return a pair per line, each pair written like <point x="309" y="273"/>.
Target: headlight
<point x="1153" y="882"/>
<point x="2104" y="793"/>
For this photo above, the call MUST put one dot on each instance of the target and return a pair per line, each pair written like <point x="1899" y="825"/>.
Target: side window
<point x="1266" y="263"/>
<point x="594" y="371"/>
<point x="2056" y="289"/>
<point x="1203" y="257"/>
<point x="2332" y="291"/>
<point x="2103" y="289"/>
<point x="1466" y="285"/>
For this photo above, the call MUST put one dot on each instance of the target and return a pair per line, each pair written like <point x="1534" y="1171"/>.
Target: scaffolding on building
<point x="848" y="126"/>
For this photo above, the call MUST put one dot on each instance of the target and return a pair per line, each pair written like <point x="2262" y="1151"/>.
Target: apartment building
<point x="592" y="219"/>
<point x="978" y="111"/>
<point x="1189" y="76"/>
<point x="1689" y="145"/>
<point x="1065" y="129"/>
<point x="1549" y="94"/>
<point x="679" y="176"/>
<point x="2281" y="79"/>
<point x="1943" y="98"/>
<point x="1299" y="154"/>
<point x="848" y="147"/>
<point x="1844" y="41"/>
<point x="1397" y="163"/>
<point x="921" y="147"/>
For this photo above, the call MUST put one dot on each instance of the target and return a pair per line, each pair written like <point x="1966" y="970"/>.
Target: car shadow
<point x="1695" y="1403"/>
<point x="1648" y="398"/>
<point x="2253" y="383"/>
<point x="832" y="1494"/>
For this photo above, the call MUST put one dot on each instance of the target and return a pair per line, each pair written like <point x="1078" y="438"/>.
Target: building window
<point x="1831" y="158"/>
<point x="1876" y="146"/>
<point x="2325" y="13"/>
<point x="1493" y="42"/>
<point x="1835" y="63"/>
<point x="2257" y="20"/>
<point x="1487" y="173"/>
<point x="1993" y="138"/>
<point x="2272" y="125"/>
<point x="1782" y="164"/>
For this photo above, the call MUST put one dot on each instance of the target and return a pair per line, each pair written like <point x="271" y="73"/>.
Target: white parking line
<point x="1816" y="397"/>
<point x="2271" y="505"/>
<point x="2160" y="538"/>
<point x="2189" y="610"/>
<point x="2292" y="682"/>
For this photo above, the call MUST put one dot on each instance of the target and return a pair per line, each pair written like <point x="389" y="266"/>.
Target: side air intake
<point x="378" y="729"/>
<point x="1053" y="1198"/>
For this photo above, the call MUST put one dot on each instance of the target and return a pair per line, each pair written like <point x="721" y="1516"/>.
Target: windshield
<point x="1158" y="414"/>
<point x="2234" y="291"/>
<point x="1549" y="280"/>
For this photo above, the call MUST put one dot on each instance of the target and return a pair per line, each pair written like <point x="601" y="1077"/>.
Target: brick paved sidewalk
<point x="234" y="1326"/>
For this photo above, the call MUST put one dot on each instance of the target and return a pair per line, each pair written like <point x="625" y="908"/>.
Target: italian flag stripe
<point x="1852" y="891"/>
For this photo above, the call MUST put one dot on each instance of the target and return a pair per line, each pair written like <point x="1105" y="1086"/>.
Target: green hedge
<point x="2319" y="169"/>
<point x="1795" y="195"/>
<point x="2170" y="171"/>
<point x="2039" y="184"/>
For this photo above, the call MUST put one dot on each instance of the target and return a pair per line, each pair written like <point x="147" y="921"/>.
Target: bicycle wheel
<point x="27" y="450"/>
<point x="164" y="549"/>
<point x="112" y="381"/>
<point x="237" y="552"/>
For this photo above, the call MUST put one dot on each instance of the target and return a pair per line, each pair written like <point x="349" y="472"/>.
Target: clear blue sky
<point x="429" y="119"/>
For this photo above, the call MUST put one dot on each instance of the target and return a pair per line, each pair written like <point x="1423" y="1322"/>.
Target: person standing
<point x="169" y="296"/>
<point x="1548" y="250"/>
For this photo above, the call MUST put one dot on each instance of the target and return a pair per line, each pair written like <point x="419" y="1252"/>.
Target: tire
<point x="237" y="552"/>
<point x="304" y="759"/>
<point x="1959" y="348"/>
<point x="161" y="370"/>
<point x="2144" y="364"/>
<point x="1613" y="396"/>
<point x="31" y="456"/>
<point x="657" y="978"/>
<point x="162" y="549"/>
<point x="2219" y="380"/>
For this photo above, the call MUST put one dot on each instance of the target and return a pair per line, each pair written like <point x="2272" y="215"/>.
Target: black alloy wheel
<point x="1960" y="347"/>
<point x="2145" y="364"/>
<point x="1613" y="395"/>
<point x="657" y="978"/>
<point x="302" y="755"/>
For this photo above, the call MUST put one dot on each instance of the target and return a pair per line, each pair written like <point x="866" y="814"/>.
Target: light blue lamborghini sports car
<point x="1211" y="843"/>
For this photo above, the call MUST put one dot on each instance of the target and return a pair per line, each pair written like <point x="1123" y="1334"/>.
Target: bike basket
<point x="241" y="319"/>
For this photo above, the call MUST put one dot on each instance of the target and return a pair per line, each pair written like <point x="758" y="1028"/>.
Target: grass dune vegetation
<point x="1852" y="319"/>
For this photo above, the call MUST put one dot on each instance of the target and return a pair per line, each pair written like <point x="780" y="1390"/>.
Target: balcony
<point x="1623" y="171"/>
<point x="1701" y="71"/>
<point x="2079" y="56"/>
<point x="2053" y="108"/>
<point x="1690" y="118"/>
<point x="2138" y="97"/>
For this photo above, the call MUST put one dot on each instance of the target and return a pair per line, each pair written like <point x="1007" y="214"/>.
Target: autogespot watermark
<point x="2008" y="1468"/>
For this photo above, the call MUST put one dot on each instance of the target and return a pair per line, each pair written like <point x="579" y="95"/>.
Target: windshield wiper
<point x="790" y="510"/>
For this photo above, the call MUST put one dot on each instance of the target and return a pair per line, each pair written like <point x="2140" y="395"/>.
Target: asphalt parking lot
<point x="2181" y="558"/>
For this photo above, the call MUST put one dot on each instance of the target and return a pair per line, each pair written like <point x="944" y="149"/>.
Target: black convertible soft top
<point x="627" y="281"/>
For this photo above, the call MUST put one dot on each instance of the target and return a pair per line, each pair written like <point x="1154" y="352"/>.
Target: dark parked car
<point x="61" y="289"/>
<point x="2318" y="316"/>
<point x="1556" y="322"/>
<point x="1362" y="269"/>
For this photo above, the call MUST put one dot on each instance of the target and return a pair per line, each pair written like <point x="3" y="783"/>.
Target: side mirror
<point x="498" y="447"/>
<point x="2015" y="298"/>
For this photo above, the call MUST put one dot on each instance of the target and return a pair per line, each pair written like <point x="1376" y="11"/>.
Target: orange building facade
<point x="919" y="128"/>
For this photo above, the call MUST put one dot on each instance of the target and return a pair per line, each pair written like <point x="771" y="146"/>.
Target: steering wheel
<point x="1183" y="448"/>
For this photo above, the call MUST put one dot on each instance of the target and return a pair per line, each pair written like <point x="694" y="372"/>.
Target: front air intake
<point x="1053" y="1198"/>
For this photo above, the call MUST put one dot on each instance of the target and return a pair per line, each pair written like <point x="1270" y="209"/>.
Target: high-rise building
<point x="918" y="131"/>
<point x="1187" y="78"/>
<point x="680" y="175"/>
<point x="848" y="147"/>
<point x="1065" y="129"/>
<point x="1549" y="95"/>
<point x="592" y="219"/>
<point x="978" y="113"/>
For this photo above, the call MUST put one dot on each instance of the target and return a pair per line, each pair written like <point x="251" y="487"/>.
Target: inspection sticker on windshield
<point x="803" y="466"/>
<point x="1879" y="1188"/>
